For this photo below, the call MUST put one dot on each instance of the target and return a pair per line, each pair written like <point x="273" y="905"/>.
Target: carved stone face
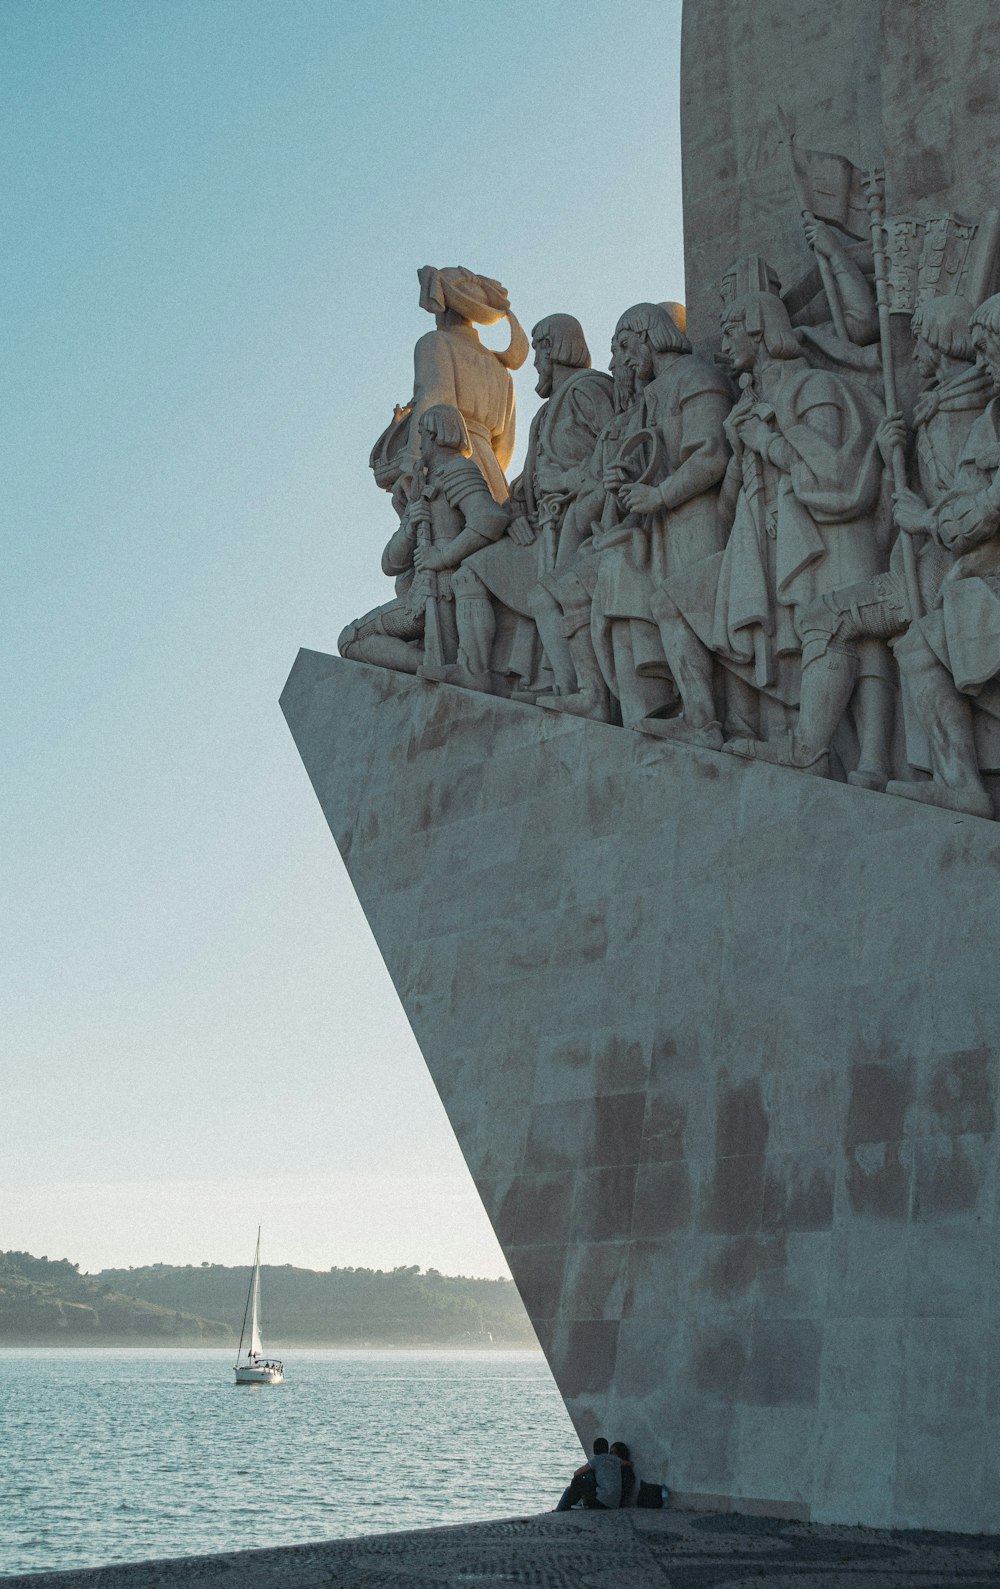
<point x="987" y="346"/>
<point x="624" y="378"/>
<point x="636" y="354"/>
<point x="543" y="365"/>
<point x="738" y="347"/>
<point x="428" y="446"/>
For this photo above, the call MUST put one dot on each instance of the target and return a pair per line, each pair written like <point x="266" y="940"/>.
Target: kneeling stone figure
<point x="450" y="514"/>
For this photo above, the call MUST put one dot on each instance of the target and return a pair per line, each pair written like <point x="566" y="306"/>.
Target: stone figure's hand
<point x="988" y="457"/>
<point x="521" y="531"/>
<point x="614" y="476"/>
<point x="640" y="499"/>
<point x="551" y="508"/>
<point x="910" y="514"/>
<point x="419" y="515"/>
<point x="821" y="240"/>
<point x="890" y="437"/>
<point x="430" y="559"/>
<point x="755" y="434"/>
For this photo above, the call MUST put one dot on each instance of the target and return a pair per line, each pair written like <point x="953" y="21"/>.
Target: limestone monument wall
<point x="906" y="84"/>
<point x="720" y="1045"/>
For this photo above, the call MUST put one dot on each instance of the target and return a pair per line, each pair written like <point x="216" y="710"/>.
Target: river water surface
<point x="121" y="1455"/>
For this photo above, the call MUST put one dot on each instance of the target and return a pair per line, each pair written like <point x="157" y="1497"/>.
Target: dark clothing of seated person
<point x="620" y="1450"/>
<point x="598" y="1484"/>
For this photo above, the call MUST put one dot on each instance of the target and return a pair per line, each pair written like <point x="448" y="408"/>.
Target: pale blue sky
<point x="214" y="215"/>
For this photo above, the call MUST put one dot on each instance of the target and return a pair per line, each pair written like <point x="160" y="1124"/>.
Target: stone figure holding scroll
<point x="449" y="500"/>
<point x="950" y="657"/>
<point x="667" y="519"/>
<point x="494" y="586"/>
<point x="451" y="365"/>
<point x="806" y="479"/>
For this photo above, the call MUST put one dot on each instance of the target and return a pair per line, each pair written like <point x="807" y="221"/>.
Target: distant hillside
<point x="341" y="1307"/>
<point x="47" y="1302"/>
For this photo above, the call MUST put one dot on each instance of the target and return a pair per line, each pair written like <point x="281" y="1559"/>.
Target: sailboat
<point x="250" y="1367"/>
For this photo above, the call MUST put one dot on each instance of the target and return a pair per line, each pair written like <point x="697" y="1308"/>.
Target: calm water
<point x="122" y="1455"/>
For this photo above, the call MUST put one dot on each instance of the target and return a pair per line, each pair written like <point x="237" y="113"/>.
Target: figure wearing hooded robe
<point x="451" y="365"/>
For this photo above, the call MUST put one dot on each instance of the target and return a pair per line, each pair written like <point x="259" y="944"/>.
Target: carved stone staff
<point x="430" y="592"/>
<point x="753" y="487"/>
<point x="875" y="191"/>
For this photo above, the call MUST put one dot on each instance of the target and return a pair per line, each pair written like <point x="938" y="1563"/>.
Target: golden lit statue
<point x="451" y="365"/>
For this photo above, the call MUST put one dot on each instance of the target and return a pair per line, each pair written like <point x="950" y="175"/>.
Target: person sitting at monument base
<point x="620" y="1450"/>
<point x="597" y="1485"/>
<point x="451" y="498"/>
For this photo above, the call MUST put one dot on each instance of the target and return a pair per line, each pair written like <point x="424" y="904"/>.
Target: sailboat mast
<point x="251" y="1294"/>
<point x="255" y="1342"/>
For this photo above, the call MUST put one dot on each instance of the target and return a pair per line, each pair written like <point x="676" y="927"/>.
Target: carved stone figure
<point x="579" y="401"/>
<point x="806" y="481"/>
<point x="450" y="365"/>
<point x="671" y="516"/>
<point x="705" y="572"/>
<point x="950" y="657"/>
<point x="650" y="507"/>
<point x="501" y="578"/>
<point x="450" y="507"/>
<point x="561" y="600"/>
<point x="955" y="394"/>
<point x="831" y="306"/>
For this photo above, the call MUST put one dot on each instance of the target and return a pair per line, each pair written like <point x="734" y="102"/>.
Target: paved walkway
<point x="581" y="1550"/>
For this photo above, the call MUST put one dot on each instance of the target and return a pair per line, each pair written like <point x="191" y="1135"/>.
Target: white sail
<point x="255" y="1348"/>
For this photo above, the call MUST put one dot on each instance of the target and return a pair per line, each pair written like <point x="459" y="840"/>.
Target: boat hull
<point x="259" y="1376"/>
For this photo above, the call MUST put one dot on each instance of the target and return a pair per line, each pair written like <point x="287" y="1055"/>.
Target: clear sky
<point x="214" y="215"/>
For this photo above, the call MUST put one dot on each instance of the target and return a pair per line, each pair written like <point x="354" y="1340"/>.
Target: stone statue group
<point x="790" y="552"/>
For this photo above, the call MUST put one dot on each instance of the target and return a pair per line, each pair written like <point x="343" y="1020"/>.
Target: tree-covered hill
<point x="341" y="1307"/>
<point x="47" y="1302"/>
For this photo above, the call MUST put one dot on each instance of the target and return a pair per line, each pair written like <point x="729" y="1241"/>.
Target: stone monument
<point x="666" y="781"/>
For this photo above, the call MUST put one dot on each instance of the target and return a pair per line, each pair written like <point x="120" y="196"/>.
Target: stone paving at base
<point x="580" y="1550"/>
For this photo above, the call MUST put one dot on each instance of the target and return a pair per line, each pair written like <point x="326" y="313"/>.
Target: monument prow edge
<point x="719" y="1046"/>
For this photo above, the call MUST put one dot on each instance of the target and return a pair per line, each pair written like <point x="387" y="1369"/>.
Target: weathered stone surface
<point x="906" y="84"/>
<point x="720" y="1046"/>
